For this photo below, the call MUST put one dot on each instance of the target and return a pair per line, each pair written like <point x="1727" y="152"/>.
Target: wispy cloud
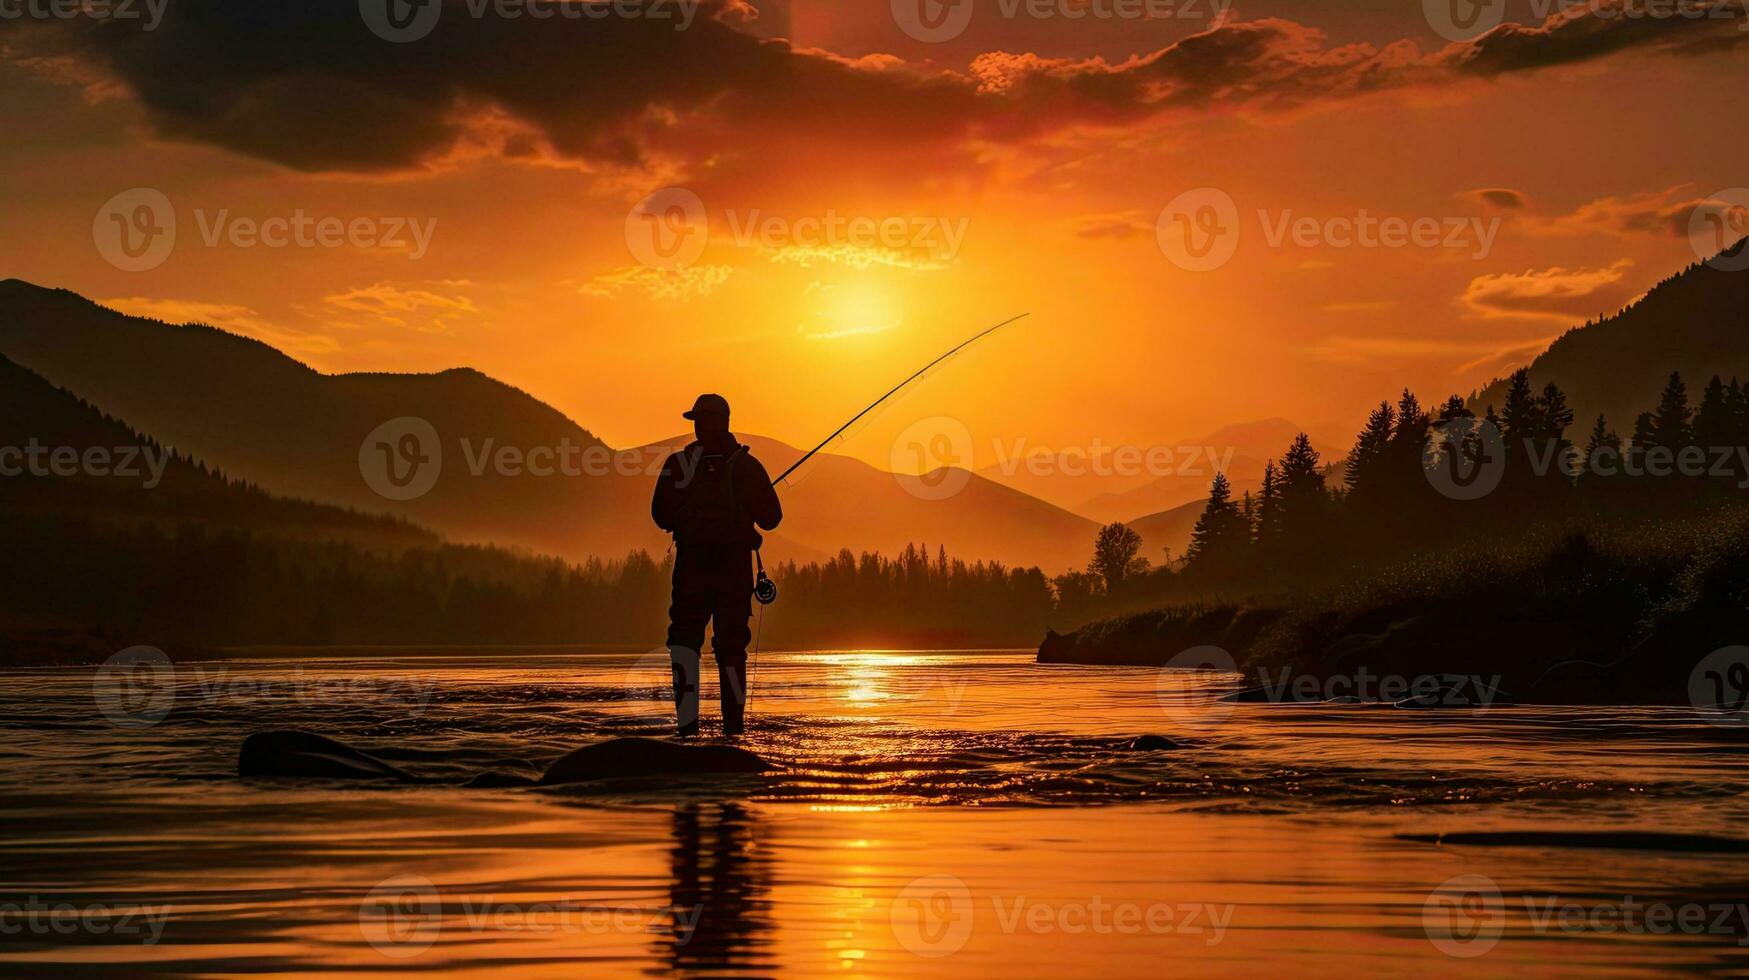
<point x="854" y="256"/>
<point x="682" y="284"/>
<point x="1554" y="293"/>
<point x="431" y="307"/>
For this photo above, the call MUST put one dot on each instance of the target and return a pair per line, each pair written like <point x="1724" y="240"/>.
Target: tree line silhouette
<point x="205" y="560"/>
<point x="1416" y="479"/>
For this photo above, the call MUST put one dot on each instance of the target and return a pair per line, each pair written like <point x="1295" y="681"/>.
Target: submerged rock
<point x="1152" y="743"/>
<point x="309" y="756"/>
<point x="629" y="757"/>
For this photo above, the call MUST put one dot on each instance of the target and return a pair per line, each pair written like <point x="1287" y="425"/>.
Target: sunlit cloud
<point x="854" y="257"/>
<point x="682" y="284"/>
<point x="1663" y="212"/>
<point x="420" y="306"/>
<point x="1555" y="293"/>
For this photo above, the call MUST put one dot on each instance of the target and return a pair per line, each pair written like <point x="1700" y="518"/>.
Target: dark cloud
<point x="1604" y="27"/>
<point x="304" y="83"/>
<point x="1501" y="198"/>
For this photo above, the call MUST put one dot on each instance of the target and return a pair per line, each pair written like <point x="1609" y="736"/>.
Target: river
<point x="936" y="815"/>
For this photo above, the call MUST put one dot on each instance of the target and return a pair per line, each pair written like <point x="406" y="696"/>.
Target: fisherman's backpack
<point x="711" y="514"/>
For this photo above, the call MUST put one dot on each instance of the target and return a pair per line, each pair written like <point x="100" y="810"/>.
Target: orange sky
<point x="1051" y="145"/>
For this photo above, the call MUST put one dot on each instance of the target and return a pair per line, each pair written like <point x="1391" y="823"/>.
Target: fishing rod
<point x="840" y="430"/>
<point x="764" y="589"/>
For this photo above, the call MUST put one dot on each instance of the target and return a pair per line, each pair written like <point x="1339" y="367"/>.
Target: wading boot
<point x="684" y="667"/>
<point x="732" y="679"/>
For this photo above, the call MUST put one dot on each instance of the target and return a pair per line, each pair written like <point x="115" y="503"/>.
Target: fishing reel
<point x="764" y="589"/>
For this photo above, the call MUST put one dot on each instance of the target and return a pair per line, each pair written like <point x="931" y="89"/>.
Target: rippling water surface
<point x="943" y="814"/>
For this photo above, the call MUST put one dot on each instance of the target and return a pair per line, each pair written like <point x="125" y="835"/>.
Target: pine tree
<point x="1269" y="510"/>
<point x="1602" y="452"/>
<point x="1643" y="438"/>
<point x="1737" y="410"/>
<point x="1218" y="541"/>
<point x="1367" y="457"/>
<point x="1712" y="421"/>
<point x="1601" y="438"/>
<point x="1522" y="417"/>
<point x="1454" y="408"/>
<point x="1670" y="423"/>
<point x="1302" y="520"/>
<point x="1556" y="416"/>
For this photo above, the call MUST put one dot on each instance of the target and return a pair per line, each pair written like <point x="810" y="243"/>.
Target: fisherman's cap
<point x="709" y="406"/>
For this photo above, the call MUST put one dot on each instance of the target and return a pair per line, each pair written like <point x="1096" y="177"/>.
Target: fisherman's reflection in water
<point x="719" y="914"/>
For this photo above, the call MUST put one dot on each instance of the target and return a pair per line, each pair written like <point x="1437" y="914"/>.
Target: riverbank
<point x="1581" y="617"/>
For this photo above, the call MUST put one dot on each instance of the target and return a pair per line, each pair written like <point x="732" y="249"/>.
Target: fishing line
<point x="764" y="589"/>
<point x="925" y="370"/>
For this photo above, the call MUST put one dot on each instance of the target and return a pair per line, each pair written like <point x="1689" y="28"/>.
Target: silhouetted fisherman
<point x="710" y="496"/>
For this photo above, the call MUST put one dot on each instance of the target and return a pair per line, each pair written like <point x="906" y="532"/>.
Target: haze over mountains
<point x="263" y="417"/>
